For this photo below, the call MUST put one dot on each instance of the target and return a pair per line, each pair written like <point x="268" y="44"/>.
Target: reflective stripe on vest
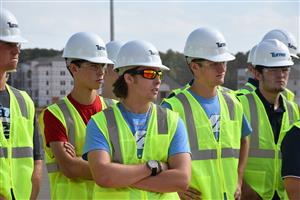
<point x="162" y="125"/>
<point x="247" y="87"/>
<point x="69" y="121"/>
<point x="21" y="102"/>
<point x="190" y="123"/>
<point x="3" y="152"/>
<point x="108" y="102"/>
<point x="254" y="150"/>
<point x="17" y="152"/>
<point x="52" y="167"/>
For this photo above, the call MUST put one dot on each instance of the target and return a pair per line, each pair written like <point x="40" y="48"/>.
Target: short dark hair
<point x="120" y="88"/>
<point x="259" y="68"/>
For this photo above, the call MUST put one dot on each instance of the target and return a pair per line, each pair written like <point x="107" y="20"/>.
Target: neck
<point x="272" y="98"/>
<point x="108" y="92"/>
<point x="135" y="106"/>
<point x="84" y="96"/>
<point x="2" y="80"/>
<point x="204" y="90"/>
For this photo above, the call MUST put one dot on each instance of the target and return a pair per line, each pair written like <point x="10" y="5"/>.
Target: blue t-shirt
<point x="211" y="106"/>
<point x="138" y="124"/>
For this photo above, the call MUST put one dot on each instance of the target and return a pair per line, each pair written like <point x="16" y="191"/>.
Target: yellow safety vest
<point x="214" y="164"/>
<point x="62" y="187"/>
<point x="161" y="129"/>
<point x="16" y="153"/>
<point x="263" y="168"/>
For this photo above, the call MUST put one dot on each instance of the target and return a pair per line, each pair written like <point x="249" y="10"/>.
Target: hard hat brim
<point x="294" y="56"/>
<point x="276" y="64"/>
<point x="99" y="60"/>
<point x="14" y="39"/>
<point x="160" y="66"/>
<point x="221" y="58"/>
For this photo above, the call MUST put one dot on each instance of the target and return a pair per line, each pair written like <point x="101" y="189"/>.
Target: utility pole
<point x="112" y="33"/>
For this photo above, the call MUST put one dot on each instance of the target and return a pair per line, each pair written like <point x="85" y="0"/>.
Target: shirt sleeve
<point x="246" y="128"/>
<point x="94" y="140"/>
<point x="38" y="151"/>
<point x="179" y="143"/>
<point x="54" y="130"/>
<point x="290" y="149"/>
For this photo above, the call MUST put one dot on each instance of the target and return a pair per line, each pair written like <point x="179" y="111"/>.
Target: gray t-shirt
<point x="5" y="118"/>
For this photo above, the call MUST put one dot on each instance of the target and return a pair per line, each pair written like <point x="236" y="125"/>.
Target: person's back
<point x="20" y="150"/>
<point x="63" y="123"/>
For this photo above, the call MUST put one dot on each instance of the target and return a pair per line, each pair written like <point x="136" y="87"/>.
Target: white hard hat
<point x="286" y="37"/>
<point x="209" y="44"/>
<point x="112" y="49"/>
<point x="9" y="30"/>
<point x="251" y="54"/>
<point x="272" y="53"/>
<point x="86" y="46"/>
<point x="138" y="53"/>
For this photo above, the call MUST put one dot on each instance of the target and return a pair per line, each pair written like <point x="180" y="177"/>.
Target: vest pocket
<point x="256" y="179"/>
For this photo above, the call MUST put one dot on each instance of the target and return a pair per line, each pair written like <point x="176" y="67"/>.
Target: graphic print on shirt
<point x="5" y="118"/>
<point x="215" y="125"/>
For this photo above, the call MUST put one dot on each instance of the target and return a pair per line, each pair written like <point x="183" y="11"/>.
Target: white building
<point x="45" y="79"/>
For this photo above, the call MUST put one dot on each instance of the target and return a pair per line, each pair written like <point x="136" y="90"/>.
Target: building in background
<point x="45" y="79"/>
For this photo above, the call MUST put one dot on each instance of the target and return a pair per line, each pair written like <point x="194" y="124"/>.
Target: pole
<point x="111" y="20"/>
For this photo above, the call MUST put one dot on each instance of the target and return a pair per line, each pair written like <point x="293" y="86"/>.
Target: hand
<point x="70" y="149"/>
<point x="164" y="166"/>
<point x="190" y="194"/>
<point x="238" y="192"/>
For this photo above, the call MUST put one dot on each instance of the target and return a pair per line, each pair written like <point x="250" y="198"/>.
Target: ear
<point x="257" y="75"/>
<point x="194" y="67"/>
<point x="128" y="78"/>
<point x="73" y="68"/>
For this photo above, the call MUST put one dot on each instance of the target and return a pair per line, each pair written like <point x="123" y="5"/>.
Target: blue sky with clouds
<point x="166" y="24"/>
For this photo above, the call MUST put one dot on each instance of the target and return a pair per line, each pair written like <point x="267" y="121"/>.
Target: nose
<point x="221" y="66"/>
<point x="16" y="49"/>
<point x="157" y="80"/>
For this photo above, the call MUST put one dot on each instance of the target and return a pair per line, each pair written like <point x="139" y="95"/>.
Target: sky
<point x="166" y="24"/>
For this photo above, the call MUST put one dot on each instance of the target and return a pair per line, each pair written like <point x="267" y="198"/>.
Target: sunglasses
<point x="148" y="73"/>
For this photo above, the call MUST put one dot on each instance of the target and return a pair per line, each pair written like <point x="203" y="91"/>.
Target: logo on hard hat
<point x="278" y="54"/>
<point x="221" y="44"/>
<point x="100" y="47"/>
<point x="292" y="46"/>
<point x="153" y="53"/>
<point x="12" y="25"/>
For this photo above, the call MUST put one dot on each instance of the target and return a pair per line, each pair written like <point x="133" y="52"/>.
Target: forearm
<point x="119" y="175"/>
<point x="76" y="168"/>
<point x="243" y="158"/>
<point x="36" y="179"/>
<point x="172" y="180"/>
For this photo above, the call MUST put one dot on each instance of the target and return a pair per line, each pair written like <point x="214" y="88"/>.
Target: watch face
<point x="153" y="164"/>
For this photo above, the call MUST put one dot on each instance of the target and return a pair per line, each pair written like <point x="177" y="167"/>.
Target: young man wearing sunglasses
<point x="140" y="148"/>
<point x="217" y="129"/>
<point x="64" y="122"/>
<point x="271" y="115"/>
<point x="21" y="152"/>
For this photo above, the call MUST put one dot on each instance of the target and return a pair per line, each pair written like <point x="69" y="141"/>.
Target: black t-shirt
<point x="274" y="116"/>
<point x="5" y="118"/>
<point x="290" y="150"/>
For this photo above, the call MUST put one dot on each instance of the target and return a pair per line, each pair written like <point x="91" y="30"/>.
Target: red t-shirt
<point x="55" y="131"/>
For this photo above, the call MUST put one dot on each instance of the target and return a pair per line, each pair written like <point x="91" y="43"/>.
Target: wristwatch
<point x="154" y="166"/>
